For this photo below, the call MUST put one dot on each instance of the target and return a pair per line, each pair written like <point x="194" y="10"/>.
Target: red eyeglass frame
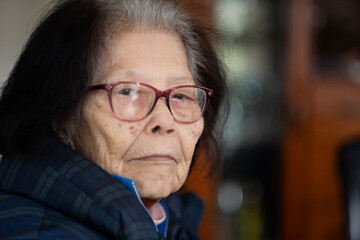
<point x="108" y="87"/>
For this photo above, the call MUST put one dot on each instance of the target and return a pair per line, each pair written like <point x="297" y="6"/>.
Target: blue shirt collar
<point x="130" y="184"/>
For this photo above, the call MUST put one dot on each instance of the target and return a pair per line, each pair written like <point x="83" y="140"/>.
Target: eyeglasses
<point x="134" y="101"/>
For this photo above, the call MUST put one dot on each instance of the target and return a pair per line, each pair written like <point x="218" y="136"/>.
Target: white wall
<point x="17" y="19"/>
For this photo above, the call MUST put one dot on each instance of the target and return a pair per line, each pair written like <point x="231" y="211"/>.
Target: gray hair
<point x="65" y="53"/>
<point x="115" y="17"/>
<point x="148" y="15"/>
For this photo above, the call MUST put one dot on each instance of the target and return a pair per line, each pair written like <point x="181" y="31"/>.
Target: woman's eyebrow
<point x="135" y="75"/>
<point x="131" y="74"/>
<point x="180" y="79"/>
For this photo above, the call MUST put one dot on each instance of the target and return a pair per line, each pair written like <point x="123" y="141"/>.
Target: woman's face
<point x="155" y="152"/>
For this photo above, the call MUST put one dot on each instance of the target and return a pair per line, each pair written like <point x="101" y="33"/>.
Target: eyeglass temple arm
<point x="100" y="86"/>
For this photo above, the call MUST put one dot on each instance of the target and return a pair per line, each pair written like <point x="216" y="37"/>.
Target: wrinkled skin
<point x="155" y="152"/>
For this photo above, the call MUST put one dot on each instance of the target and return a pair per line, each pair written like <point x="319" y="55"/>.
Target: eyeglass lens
<point x="134" y="102"/>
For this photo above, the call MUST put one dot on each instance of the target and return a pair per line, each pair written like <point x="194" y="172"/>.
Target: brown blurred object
<point x="199" y="182"/>
<point x="324" y="113"/>
<point x="202" y="10"/>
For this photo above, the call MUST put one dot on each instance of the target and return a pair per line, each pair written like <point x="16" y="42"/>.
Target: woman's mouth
<point x="156" y="157"/>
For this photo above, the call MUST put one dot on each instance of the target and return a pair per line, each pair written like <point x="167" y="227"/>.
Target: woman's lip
<point x="156" y="157"/>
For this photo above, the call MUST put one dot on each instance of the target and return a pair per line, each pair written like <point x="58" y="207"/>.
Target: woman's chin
<point x="155" y="191"/>
<point x="157" y="184"/>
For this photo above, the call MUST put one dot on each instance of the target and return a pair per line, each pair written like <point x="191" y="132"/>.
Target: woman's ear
<point x="64" y="132"/>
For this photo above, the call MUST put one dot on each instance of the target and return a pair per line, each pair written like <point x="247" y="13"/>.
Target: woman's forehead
<point x="139" y="56"/>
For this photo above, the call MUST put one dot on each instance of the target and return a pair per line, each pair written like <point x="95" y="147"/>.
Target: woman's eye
<point x="127" y="91"/>
<point x="181" y="96"/>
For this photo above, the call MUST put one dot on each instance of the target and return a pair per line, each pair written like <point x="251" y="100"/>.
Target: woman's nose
<point x="160" y="120"/>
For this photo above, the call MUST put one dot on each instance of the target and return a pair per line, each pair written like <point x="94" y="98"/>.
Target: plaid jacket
<point x="58" y="194"/>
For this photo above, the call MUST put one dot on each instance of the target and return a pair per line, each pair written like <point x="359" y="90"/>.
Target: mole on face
<point x="98" y="105"/>
<point x="133" y="130"/>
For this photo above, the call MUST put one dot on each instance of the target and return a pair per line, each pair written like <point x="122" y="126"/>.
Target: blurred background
<point x="294" y="72"/>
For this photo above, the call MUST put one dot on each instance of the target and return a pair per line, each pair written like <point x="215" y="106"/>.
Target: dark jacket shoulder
<point x="56" y="193"/>
<point x="23" y="218"/>
<point x="71" y="195"/>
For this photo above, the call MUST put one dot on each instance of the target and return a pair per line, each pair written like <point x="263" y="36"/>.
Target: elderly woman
<point x="101" y="119"/>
